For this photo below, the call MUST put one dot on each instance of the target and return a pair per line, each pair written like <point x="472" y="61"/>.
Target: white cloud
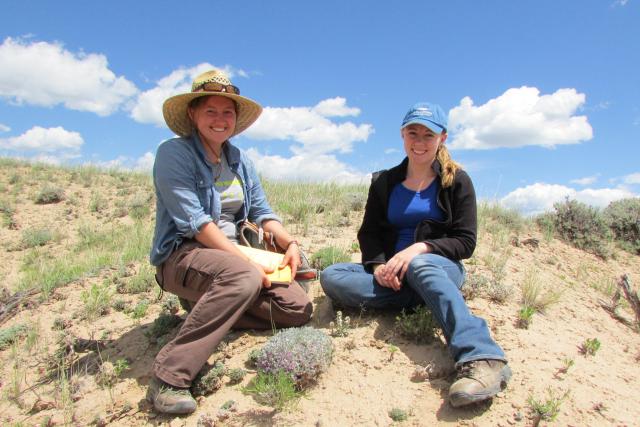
<point x="632" y="179"/>
<point x="147" y="107"/>
<point x="143" y="163"/>
<point x="57" y="143"/>
<point x="46" y="74"/>
<point x="310" y="127"/>
<point x="335" y="107"/>
<point x="520" y="117"/>
<point x="4" y="128"/>
<point x="539" y="197"/>
<point x="306" y="167"/>
<point x="620" y="2"/>
<point x="587" y="180"/>
<point x="391" y="151"/>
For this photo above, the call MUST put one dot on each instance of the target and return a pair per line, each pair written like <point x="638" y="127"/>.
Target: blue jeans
<point x="432" y="280"/>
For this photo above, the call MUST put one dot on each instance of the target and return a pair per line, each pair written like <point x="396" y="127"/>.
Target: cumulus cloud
<point x="54" y="143"/>
<point x="520" y="117"/>
<point x="306" y="168"/>
<point x="310" y="128"/>
<point x="587" y="180"/>
<point x="143" y="163"/>
<point x="46" y="74"/>
<point x="147" y="107"/>
<point x="4" y="128"/>
<point x="539" y="197"/>
<point x="632" y="179"/>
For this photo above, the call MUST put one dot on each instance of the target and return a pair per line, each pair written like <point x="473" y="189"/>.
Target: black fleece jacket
<point x="454" y="238"/>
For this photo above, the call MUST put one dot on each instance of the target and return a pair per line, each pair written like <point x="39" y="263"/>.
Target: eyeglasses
<point x="216" y="87"/>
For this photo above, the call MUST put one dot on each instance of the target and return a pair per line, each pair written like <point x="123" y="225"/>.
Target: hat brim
<point x="175" y="113"/>
<point x="436" y="128"/>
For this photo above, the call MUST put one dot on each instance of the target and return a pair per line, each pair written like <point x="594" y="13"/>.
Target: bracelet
<point x="291" y="243"/>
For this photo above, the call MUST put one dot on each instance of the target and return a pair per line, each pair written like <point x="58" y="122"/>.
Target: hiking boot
<point x="478" y="380"/>
<point x="169" y="399"/>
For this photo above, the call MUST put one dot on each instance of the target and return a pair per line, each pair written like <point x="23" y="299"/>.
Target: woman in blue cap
<point x="419" y="222"/>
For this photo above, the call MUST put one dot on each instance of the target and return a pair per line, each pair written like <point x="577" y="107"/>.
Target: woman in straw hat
<point x="419" y="222"/>
<point x="204" y="187"/>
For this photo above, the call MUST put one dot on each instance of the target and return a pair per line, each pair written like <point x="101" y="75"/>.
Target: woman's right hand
<point x="379" y="273"/>
<point x="263" y="270"/>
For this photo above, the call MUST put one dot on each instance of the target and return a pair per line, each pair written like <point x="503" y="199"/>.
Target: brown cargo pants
<point x="225" y="292"/>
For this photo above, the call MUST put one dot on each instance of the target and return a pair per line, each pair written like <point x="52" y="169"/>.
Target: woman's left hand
<point x="399" y="263"/>
<point x="292" y="258"/>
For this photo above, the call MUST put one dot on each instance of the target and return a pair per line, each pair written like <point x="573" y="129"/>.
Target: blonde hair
<point x="447" y="165"/>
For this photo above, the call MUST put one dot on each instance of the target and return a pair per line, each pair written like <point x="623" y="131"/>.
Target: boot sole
<point x="462" y="399"/>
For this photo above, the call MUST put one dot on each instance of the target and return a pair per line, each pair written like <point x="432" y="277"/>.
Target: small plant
<point x="328" y="256"/>
<point x="276" y="389"/>
<point x="566" y="365"/>
<point x="171" y="305"/>
<point x="340" y="328"/>
<point x="49" y="194"/>
<point x="252" y="360"/>
<point x="96" y="300"/>
<point x="419" y="326"/>
<point x="590" y="346"/>
<point x="236" y="375"/>
<point x="10" y="335"/>
<point x="140" y="310"/>
<point x="525" y="317"/>
<point x="208" y="380"/>
<point x="303" y="353"/>
<point x="163" y="324"/>
<point x="119" y="305"/>
<point x="392" y="351"/>
<point x="397" y="414"/>
<point x="474" y="286"/>
<point x="97" y="203"/>
<point x="140" y="205"/>
<point x="546" y="410"/>
<point x="33" y="237"/>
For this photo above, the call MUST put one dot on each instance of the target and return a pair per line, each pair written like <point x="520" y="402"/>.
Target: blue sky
<point x="543" y="96"/>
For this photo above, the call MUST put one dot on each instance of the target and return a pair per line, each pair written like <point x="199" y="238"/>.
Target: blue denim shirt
<point x="186" y="198"/>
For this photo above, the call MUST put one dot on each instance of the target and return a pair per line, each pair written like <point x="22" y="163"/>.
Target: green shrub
<point x="96" y="300"/>
<point x="50" y="194"/>
<point x="208" y="380"/>
<point x="623" y="218"/>
<point x="397" y="414"/>
<point x="583" y="226"/>
<point x="325" y="257"/>
<point x="12" y="334"/>
<point x="33" y="237"/>
<point x="419" y="326"/>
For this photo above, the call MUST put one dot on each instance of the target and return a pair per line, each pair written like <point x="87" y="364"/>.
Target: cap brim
<point x="435" y="128"/>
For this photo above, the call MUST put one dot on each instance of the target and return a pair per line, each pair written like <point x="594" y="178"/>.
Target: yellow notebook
<point x="269" y="259"/>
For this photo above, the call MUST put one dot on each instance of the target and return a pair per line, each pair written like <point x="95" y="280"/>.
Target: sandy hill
<point x="78" y="302"/>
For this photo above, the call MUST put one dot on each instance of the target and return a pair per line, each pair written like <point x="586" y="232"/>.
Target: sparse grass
<point x="98" y="203"/>
<point x="96" y="300"/>
<point x="327" y="256"/>
<point x="548" y="409"/>
<point x="590" y="346"/>
<point x="475" y="285"/>
<point x="140" y="310"/>
<point x="532" y="296"/>
<point x="275" y="389"/>
<point x="140" y="205"/>
<point x="419" y="326"/>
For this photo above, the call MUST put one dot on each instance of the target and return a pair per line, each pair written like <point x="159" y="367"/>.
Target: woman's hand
<point x="379" y="273"/>
<point x="292" y="258"/>
<point x="398" y="264"/>
<point x="263" y="270"/>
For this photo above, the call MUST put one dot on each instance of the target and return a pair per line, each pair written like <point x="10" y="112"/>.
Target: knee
<point x="301" y="315"/>
<point x="331" y="278"/>
<point x="248" y="281"/>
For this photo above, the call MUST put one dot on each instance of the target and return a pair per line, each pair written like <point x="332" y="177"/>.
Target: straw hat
<point x="213" y="82"/>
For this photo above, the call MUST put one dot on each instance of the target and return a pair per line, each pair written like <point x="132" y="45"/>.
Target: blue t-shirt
<point x="407" y="208"/>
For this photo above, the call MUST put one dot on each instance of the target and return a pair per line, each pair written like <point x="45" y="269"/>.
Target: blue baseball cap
<point x="426" y="114"/>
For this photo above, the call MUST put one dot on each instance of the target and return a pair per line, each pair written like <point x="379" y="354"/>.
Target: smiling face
<point x="421" y="143"/>
<point x="215" y="119"/>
